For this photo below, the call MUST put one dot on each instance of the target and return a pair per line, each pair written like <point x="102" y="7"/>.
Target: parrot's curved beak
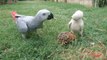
<point x="51" y="16"/>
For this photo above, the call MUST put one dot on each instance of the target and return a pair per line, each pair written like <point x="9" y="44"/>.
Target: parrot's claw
<point x="24" y="36"/>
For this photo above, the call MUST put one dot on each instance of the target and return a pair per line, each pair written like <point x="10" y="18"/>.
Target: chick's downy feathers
<point x="76" y="23"/>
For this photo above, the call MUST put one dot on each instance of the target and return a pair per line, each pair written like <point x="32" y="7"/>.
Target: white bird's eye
<point x="44" y="14"/>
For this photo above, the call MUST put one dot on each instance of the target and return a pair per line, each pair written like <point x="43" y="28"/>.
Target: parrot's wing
<point x="69" y="24"/>
<point x="27" y="18"/>
<point x="22" y="26"/>
<point x="18" y="15"/>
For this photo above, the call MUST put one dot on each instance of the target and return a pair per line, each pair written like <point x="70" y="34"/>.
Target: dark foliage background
<point x="102" y="3"/>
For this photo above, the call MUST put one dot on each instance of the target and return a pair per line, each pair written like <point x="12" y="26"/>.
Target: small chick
<point x="66" y="37"/>
<point x="76" y="24"/>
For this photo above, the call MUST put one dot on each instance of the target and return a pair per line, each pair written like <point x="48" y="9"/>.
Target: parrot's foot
<point x="24" y="36"/>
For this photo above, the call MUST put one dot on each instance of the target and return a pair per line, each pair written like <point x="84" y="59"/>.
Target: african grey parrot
<point x="27" y="24"/>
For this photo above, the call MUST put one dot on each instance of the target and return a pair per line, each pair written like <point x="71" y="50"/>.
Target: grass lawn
<point x="46" y="47"/>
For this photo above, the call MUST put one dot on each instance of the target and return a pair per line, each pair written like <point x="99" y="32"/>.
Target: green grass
<point x="46" y="47"/>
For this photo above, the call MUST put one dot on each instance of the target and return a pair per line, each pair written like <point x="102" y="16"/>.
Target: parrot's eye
<point x="44" y="14"/>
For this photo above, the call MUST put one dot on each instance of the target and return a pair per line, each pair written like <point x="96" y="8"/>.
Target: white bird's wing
<point x="69" y="24"/>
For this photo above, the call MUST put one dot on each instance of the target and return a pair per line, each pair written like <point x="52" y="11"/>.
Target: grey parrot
<point x="27" y="24"/>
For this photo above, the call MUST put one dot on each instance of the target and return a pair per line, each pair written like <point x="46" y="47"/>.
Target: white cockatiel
<point x="77" y="24"/>
<point x="27" y="24"/>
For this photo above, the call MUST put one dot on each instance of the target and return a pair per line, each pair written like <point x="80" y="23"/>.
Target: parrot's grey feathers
<point x="22" y="26"/>
<point x="17" y="16"/>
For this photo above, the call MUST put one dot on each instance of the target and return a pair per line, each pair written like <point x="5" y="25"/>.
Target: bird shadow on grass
<point x="34" y="40"/>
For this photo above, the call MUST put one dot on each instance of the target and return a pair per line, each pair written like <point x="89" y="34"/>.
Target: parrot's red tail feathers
<point x="13" y="13"/>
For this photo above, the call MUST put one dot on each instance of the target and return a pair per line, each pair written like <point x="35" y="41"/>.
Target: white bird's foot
<point x="81" y="33"/>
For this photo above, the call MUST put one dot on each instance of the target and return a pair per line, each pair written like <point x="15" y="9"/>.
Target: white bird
<point x="27" y="24"/>
<point x="76" y="25"/>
